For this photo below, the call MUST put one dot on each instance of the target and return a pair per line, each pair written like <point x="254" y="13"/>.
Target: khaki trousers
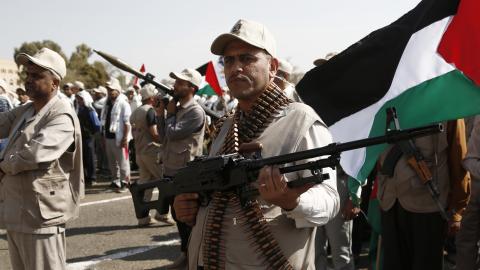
<point x="37" y="251"/>
<point x="149" y="169"/>
<point x="118" y="161"/>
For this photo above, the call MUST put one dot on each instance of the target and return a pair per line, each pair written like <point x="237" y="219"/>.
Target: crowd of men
<point x="104" y="131"/>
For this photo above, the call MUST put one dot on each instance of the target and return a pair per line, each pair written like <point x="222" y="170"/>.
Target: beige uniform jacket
<point x="144" y="143"/>
<point x="43" y="178"/>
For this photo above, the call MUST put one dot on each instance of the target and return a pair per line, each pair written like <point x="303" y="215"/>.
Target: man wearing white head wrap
<point x="89" y="125"/>
<point x="115" y="118"/>
<point x="99" y="99"/>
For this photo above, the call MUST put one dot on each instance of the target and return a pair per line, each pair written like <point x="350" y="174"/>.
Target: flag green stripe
<point x="450" y="96"/>
<point x="206" y="90"/>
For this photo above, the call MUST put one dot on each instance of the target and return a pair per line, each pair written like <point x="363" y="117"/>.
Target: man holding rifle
<point x="277" y="229"/>
<point x="181" y="132"/>
<point x="414" y="192"/>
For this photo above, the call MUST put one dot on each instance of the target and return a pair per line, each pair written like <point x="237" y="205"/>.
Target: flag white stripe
<point x="420" y="62"/>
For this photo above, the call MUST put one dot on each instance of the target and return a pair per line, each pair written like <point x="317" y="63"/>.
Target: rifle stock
<point x="234" y="172"/>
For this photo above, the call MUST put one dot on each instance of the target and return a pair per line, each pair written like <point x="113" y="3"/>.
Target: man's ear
<point x="55" y="82"/>
<point x="273" y="67"/>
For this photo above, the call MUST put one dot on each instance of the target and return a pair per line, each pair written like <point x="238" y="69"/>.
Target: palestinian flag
<point x="213" y="79"/>
<point x="426" y="65"/>
<point x="142" y="70"/>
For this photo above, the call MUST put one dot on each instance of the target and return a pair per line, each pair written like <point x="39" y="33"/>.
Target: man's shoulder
<point x="62" y="105"/>
<point x="195" y="107"/>
<point x="19" y="110"/>
<point x="298" y="109"/>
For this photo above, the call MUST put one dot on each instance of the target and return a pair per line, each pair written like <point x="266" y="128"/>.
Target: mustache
<point x="238" y="77"/>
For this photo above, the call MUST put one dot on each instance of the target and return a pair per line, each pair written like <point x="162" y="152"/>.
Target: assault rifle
<point x="235" y="172"/>
<point x="415" y="159"/>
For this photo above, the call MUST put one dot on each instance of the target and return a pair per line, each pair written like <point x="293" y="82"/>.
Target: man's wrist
<point x="292" y="205"/>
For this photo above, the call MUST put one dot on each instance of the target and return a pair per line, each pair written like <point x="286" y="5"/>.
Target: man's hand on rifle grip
<point x="350" y="211"/>
<point x="186" y="207"/>
<point x="273" y="189"/>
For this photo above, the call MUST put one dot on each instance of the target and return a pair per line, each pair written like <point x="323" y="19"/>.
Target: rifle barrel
<point x="391" y="137"/>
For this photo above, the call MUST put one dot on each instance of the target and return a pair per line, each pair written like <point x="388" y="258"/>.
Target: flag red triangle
<point x="211" y="78"/>
<point x="142" y="70"/>
<point x="461" y="42"/>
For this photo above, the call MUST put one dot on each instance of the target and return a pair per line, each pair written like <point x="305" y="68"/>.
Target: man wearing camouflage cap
<point x="289" y="215"/>
<point x="41" y="176"/>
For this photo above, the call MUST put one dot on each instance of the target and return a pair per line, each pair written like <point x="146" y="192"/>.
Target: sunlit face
<point x="112" y="93"/>
<point x="67" y="91"/>
<point x="97" y="95"/>
<point x="130" y="95"/>
<point x="22" y="96"/>
<point x="40" y="83"/>
<point x="248" y="69"/>
<point x="182" y="89"/>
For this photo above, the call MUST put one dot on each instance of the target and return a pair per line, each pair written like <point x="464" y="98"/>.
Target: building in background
<point x="9" y="73"/>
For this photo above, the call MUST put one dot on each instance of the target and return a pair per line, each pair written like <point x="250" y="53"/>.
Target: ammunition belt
<point x="244" y="129"/>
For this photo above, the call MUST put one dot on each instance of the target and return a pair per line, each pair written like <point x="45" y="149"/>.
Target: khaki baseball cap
<point x="114" y="84"/>
<point x="189" y="75"/>
<point x="148" y="91"/>
<point x="67" y="85"/>
<point x="79" y="85"/>
<point x="101" y="90"/>
<point x="285" y="66"/>
<point x="251" y="32"/>
<point x="46" y="59"/>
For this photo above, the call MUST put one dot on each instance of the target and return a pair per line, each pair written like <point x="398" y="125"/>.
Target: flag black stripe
<point x="362" y="74"/>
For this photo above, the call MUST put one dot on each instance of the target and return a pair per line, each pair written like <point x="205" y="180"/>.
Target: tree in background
<point x="78" y="67"/>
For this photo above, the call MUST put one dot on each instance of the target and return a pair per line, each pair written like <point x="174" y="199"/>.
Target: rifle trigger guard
<point x="317" y="173"/>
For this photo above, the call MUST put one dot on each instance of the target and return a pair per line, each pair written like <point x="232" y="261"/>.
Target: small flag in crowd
<point x="214" y="79"/>
<point x="142" y="70"/>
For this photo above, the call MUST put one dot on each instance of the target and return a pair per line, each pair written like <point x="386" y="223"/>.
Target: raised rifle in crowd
<point x="415" y="160"/>
<point x="149" y="78"/>
<point x="235" y="172"/>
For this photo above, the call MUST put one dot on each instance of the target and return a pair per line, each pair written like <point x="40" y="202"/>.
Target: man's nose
<point x="236" y="65"/>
